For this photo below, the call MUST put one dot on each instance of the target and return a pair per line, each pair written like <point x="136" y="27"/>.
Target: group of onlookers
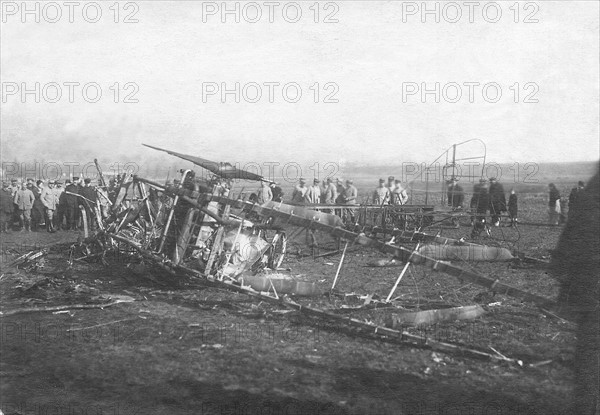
<point x="35" y="205"/>
<point x="486" y="198"/>
<point x="330" y="193"/>
<point x="491" y="198"/>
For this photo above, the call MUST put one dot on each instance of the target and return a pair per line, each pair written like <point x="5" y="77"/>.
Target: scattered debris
<point x="117" y="299"/>
<point x="436" y="316"/>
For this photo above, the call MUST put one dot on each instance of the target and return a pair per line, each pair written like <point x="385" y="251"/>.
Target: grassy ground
<point x="184" y="348"/>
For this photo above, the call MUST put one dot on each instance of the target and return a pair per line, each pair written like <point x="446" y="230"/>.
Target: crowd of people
<point x="487" y="198"/>
<point x="491" y="198"/>
<point x="31" y="205"/>
<point x="52" y="205"/>
<point x="334" y="192"/>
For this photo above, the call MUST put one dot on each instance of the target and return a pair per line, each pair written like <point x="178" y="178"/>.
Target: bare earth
<point x="184" y="348"/>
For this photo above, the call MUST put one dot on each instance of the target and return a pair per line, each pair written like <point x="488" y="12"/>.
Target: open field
<point x="181" y="347"/>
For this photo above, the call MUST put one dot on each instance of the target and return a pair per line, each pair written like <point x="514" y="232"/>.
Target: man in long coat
<point x="497" y="200"/>
<point x="7" y="208"/>
<point x="24" y="202"/>
<point x="575" y="263"/>
<point x="71" y="204"/>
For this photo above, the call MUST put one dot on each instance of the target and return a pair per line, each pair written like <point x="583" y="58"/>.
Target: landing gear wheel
<point x="277" y="251"/>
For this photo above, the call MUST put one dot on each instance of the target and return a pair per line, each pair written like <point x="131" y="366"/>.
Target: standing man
<point x="264" y="193"/>
<point x="78" y="217"/>
<point x="277" y="192"/>
<point x="350" y="196"/>
<point x="89" y="203"/>
<point x="456" y="198"/>
<point x="575" y="195"/>
<point x="391" y="185"/>
<point x="71" y="203"/>
<point x="482" y="201"/>
<point x="7" y="207"/>
<point x="49" y="198"/>
<point x="330" y="192"/>
<point x="313" y="194"/>
<point x="38" y="213"/>
<point x="24" y="201"/>
<point x="475" y="198"/>
<point x="381" y="195"/>
<point x="340" y="191"/>
<point x="497" y="200"/>
<point x="14" y="188"/>
<point x="299" y="192"/>
<point x="399" y="195"/>
<point x="61" y="210"/>
<point x="554" y="210"/>
<point x="513" y="208"/>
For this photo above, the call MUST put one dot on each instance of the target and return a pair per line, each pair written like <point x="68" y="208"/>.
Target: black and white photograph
<point x="299" y="207"/>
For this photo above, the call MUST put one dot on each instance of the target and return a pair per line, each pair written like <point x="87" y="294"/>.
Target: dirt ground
<point x="181" y="347"/>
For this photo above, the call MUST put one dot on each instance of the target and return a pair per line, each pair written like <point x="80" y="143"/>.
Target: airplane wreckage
<point x="195" y="228"/>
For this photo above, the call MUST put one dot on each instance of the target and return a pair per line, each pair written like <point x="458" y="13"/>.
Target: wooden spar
<point x="144" y="195"/>
<point x="163" y="237"/>
<point x="383" y="333"/>
<point x="400" y="276"/>
<point x="187" y="199"/>
<point x="337" y="273"/>
<point x="100" y="173"/>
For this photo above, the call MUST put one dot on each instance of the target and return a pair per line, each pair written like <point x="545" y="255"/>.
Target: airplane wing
<point x="225" y="170"/>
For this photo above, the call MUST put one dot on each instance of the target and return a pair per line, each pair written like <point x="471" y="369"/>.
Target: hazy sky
<point x="370" y="56"/>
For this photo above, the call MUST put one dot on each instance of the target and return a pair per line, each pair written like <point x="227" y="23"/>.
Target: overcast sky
<point x="366" y="60"/>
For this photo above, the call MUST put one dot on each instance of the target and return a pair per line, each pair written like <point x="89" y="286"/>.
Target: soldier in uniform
<point x="497" y="200"/>
<point x="89" y="202"/>
<point x="554" y="209"/>
<point x="38" y="214"/>
<point x="340" y="190"/>
<point x="24" y="201"/>
<point x="381" y="195"/>
<point x="575" y="194"/>
<point x="14" y="188"/>
<point x="49" y="198"/>
<point x="71" y="204"/>
<point x="399" y="195"/>
<point x="264" y="193"/>
<point x="513" y="208"/>
<point x="299" y="192"/>
<point x="350" y="196"/>
<point x="313" y="194"/>
<point x="456" y="198"/>
<point x="330" y="192"/>
<point x="59" y="215"/>
<point x="277" y="192"/>
<point x="473" y="204"/>
<point x="7" y="207"/>
<point x="482" y="201"/>
<point x="391" y="185"/>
